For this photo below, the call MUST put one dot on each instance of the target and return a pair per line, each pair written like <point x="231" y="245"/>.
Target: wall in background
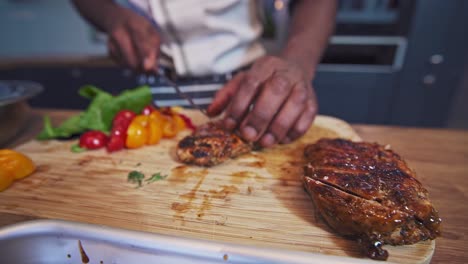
<point x="45" y="28"/>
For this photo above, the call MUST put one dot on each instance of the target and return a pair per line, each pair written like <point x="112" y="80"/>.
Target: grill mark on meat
<point x="206" y="145"/>
<point x="187" y="142"/>
<point x="367" y="191"/>
<point x="200" y="153"/>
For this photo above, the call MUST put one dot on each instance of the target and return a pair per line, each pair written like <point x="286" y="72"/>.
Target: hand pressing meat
<point x="366" y="191"/>
<point x="209" y="145"/>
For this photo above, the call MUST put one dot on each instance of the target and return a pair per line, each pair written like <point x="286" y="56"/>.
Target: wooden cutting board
<point x="257" y="199"/>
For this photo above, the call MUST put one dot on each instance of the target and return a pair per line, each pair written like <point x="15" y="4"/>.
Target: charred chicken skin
<point x="367" y="192"/>
<point x="209" y="145"/>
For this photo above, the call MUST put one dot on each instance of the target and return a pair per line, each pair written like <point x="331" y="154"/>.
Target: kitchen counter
<point x="439" y="156"/>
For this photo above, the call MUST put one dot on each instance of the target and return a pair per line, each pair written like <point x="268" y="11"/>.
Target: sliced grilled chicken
<point x="365" y="191"/>
<point x="209" y="145"/>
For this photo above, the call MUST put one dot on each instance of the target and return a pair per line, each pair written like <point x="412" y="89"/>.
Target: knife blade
<point x="172" y="81"/>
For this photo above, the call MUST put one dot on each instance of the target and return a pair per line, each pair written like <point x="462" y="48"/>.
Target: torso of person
<point x="206" y="37"/>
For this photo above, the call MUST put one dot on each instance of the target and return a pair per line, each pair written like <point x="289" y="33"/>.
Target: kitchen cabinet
<point x="359" y="97"/>
<point x="419" y="87"/>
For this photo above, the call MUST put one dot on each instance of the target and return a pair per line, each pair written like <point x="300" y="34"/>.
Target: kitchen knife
<point x="172" y="81"/>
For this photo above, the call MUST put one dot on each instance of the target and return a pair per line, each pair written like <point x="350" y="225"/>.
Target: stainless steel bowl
<point x="55" y="241"/>
<point x="14" y="107"/>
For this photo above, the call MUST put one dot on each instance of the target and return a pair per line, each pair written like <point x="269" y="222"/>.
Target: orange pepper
<point x="6" y="179"/>
<point x="149" y="129"/>
<point x="176" y="109"/>
<point x="137" y="132"/>
<point x="179" y="121"/>
<point x="16" y="163"/>
<point x="155" y="130"/>
<point x="145" y="130"/>
<point x="169" y="128"/>
<point x="157" y="116"/>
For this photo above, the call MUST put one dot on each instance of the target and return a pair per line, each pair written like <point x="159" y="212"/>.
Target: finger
<point x="246" y="92"/>
<point x="149" y="58"/>
<point x="147" y="49"/>
<point x="224" y="95"/>
<point x="287" y="116"/>
<point x="125" y="47"/>
<point x="113" y="51"/>
<point x="274" y="93"/>
<point x="304" y="122"/>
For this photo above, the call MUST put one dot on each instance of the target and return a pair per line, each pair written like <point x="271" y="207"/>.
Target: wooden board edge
<point x="339" y="125"/>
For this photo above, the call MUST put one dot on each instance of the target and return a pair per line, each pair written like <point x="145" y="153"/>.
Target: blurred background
<point x="389" y="62"/>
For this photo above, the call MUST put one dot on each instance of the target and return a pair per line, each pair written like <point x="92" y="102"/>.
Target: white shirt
<point x="207" y="37"/>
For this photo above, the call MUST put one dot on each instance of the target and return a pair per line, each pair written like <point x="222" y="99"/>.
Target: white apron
<point x="207" y="37"/>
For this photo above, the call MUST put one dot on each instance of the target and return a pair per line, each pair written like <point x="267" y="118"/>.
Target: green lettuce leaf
<point x="67" y="129"/>
<point x="100" y="112"/>
<point x="97" y="115"/>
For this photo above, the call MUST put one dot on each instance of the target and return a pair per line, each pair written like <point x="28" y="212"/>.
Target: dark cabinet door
<point x="357" y="97"/>
<point x="419" y="88"/>
<point x="434" y="64"/>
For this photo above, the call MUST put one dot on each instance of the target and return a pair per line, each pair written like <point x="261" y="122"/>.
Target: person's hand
<point x="273" y="102"/>
<point x="133" y="40"/>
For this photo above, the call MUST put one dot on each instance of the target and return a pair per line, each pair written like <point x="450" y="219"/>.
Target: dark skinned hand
<point x="273" y="102"/>
<point x="133" y="41"/>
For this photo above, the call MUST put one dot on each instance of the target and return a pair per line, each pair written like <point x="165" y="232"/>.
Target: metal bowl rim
<point x="30" y="89"/>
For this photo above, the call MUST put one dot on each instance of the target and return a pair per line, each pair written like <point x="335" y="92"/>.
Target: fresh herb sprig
<point x="75" y="148"/>
<point x="156" y="177"/>
<point x="138" y="177"/>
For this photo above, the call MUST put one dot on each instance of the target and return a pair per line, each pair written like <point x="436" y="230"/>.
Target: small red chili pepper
<point x="166" y="111"/>
<point x="118" y="134"/>
<point x="117" y="139"/>
<point x="93" y="140"/>
<point x="123" y="117"/>
<point x="148" y="110"/>
<point x="188" y="122"/>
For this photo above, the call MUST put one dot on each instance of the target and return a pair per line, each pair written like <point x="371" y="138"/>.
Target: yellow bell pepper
<point x="137" y="132"/>
<point x="149" y="128"/>
<point x="6" y="179"/>
<point x="155" y="131"/>
<point x="13" y="166"/>
<point x="18" y="164"/>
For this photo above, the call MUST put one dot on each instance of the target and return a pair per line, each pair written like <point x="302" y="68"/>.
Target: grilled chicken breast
<point x="209" y="145"/>
<point x="365" y="191"/>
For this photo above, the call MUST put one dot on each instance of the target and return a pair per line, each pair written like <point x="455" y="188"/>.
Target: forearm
<point x="313" y="22"/>
<point x="98" y="12"/>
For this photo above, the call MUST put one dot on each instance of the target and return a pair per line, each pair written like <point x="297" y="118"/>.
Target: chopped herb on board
<point x="156" y="177"/>
<point x="75" y="148"/>
<point x="136" y="177"/>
